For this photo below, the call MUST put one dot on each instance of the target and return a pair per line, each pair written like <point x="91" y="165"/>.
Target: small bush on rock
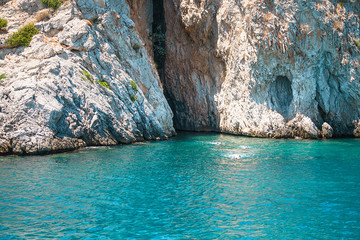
<point x="136" y="47"/>
<point x="96" y="20"/>
<point x="42" y="15"/>
<point x="86" y="76"/>
<point x="357" y="43"/>
<point x="133" y="86"/>
<point x="158" y="38"/>
<point x="342" y="1"/>
<point x="23" y="36"/>
<point x="104" y="84"/>
<point x="133" y="98"/>
<point x="54" y="4"/>
<point x="2" y="76"/>
<point x="3" y="23"/>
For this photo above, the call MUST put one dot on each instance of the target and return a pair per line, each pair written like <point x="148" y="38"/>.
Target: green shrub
<point x="357" y="43"/>
<point x="133" y="98"/>
<point x="103" y="84"/>
<point x="342" y="2"/>
<point x="86" y="76"/>
<point x="134" y="86"/>
<point x="3" y="23"/>
<point x="23" y="36"/>
<point x="96" y="21"/>
<point x="2" y="76"/>
<point x="54" y="4"/>
<point x="158" y="38"/>
<point x="136" y="47"/>
<point x="160" y="50"/>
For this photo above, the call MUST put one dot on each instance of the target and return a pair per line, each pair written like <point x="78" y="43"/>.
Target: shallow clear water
<point x="194" y="186"/>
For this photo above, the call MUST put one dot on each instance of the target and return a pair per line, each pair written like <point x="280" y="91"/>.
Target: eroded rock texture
<point x="264" y="68"/>
<point x="141" y="12"/>
<point x="52" y="98"/>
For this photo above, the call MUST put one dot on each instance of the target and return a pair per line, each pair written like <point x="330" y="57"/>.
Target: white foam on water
<point x="140" y="143"/>
<point x="216" y="143"/>
<point x="97" y="147"/>
<point x="244" y="147"/>
<point x="237" y="155"/>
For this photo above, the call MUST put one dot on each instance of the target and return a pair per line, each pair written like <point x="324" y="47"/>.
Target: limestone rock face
<point x="85" y="79"/>
<point x="141" y="12"/>
<point x="264" y="68"/>
<point x="327" y="131"/>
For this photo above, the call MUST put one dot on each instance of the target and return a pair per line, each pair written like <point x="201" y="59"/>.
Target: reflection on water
<point x="194" y="186"/>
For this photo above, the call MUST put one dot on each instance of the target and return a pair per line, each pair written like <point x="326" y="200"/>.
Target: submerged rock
<point x="264" y="68"/>
<point x="80" y="82"/>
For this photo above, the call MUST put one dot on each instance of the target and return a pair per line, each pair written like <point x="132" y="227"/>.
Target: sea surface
<point x="194" y="186"/>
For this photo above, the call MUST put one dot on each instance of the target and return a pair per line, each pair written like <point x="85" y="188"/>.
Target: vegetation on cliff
<point x="54" y="4"/>
<point x="23" y="36"/>
<point x="3" y="23"/>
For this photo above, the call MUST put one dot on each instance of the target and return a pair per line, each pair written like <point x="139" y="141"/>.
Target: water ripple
<point x="194" y="186"/>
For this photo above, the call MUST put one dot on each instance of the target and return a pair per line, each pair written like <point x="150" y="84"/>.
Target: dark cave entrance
<point x="281" y="95"/>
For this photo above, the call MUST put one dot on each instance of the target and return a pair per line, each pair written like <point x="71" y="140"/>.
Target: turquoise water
<point x="194" y="186"/>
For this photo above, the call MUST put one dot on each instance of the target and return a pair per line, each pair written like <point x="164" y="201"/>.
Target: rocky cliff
<point x="85" y="79"/>
<point x="283" y="68"/>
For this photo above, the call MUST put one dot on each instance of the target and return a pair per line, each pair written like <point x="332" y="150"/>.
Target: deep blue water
<point x="194" y="186"/>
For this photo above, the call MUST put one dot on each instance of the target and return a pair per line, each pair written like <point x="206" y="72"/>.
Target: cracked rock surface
<point x="80" y="82"/>
<point x="267" y="68"/>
